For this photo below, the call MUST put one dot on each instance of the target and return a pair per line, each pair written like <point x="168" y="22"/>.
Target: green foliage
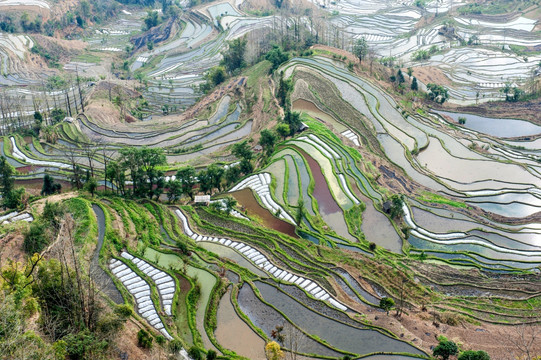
<point x="36" y="238"/>
<point x="187" y="178"/>
<point x="194" y="353"/>
<point x="124" y="310"/>
<point x="52" y="213"/>
<point x="414" y="85"/>
<point x="268" y="141"/>
<point x="152" y="19"/>
<point x="293" y="120"/>
<point x="283" y="130"/>
<point x="83" y="345"/>
<point x="58" y="115"/>
<point x="386" y="304"/>
<point x="230" y="204"/>
<point x="232" y="174"/>
<point x="420" y="54"/>
<point x="437" y="93"/>
<point x="86" y="230"/>
<point x="233" y="57"/>
<point x="243" y="151"/>
<point x="143" y="165"/>
<point x="461" y="120"/>
<point x="211" y="355"/>
<point x="91" y="185"/>
<point x="360" y="48"/>
<point x="397" y="202"/>
<point x="284" y="88"/>
<point x="174" y="190"/>
<point x="445" y="349"/>
<point x="438" y="199"/>
<point x="51" y="58"/>
<point x="474" y="355"/>
<point x="49" y="186"/>
<point x="277" y="56"/>
<point x="160" y="339"/>
<point x="354" y="220"/>
<point x="217" y="75"/>
<point x="144" y="339"/>
<point x="211" y="178"/>
<point x="6" y="179"/>
<point x="14" y="199"/>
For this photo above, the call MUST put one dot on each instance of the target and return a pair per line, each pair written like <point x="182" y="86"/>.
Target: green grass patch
<point x="88" y="58"/>
<point x="438" y="199"/>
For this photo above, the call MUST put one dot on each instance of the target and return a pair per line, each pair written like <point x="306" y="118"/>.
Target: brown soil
<point x="337" y="51"/>
<point x="37" y="206"/>
<point x="11" y="247"/>
<point x="102" y="111"/>
<point x="430" y="74"/>
<point x="527" y="110"/>
<point x="126" y="342"/>
<point x="418" y="327"/>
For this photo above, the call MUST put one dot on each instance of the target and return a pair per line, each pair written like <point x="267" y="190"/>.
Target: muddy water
<point x="226" y="252"/>
<point x="328" y="208"/>
<point x="234" y="334"/>
<point x="495" y="126"/>
<point x="345" y="337"/>
<point x="311" y="109"/>
<point x="246" y="198"/>
<point x="266" y="318"/>
<point x="378" y="229"/>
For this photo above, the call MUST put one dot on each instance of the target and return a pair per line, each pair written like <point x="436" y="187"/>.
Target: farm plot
<point x="473" y="69"/>
<point x="264" y="262"/>
<point x="140" y="290"/>
<point x="15" y="216"/>
<point x="260" y="185"/>
<point x="206" y="280"/>
<point x="14" y="3"/>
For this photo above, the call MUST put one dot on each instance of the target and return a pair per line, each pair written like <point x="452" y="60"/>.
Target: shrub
<point x="474" y="355"/>
<point x="144" y="339"/>
<point x="36" y="238"/>
<point x="195" y="353"/>
<point x="160" y="339"/>
<point x="124" y="310"/>
<point x="445" y="349"/>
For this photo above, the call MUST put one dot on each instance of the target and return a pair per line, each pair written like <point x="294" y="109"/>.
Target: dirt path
<point x="37" y="207"/>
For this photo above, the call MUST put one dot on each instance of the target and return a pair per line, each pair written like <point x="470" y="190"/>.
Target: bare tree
<point x="523" y="339"/>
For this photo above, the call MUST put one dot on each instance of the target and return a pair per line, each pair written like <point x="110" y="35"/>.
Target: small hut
<point x="202" y="200"/>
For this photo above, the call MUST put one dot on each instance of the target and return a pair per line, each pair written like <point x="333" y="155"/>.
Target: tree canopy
<point x="360" y="48"/>
<point x="445" y="349"/>
<point x="233" y="57"/>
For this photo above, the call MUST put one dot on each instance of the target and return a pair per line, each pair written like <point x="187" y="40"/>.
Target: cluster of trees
<point x="95" y="11"/>
<point x="437" y="93"/>
<point x="50" y="186"/>
<point x="446" y="348"/>
<point x="232" y="63"/>
<point x="234" y="57"/>
<point x="424" y="54"/>
<point x="512" y="93"/>
<point x="143" y="165"/>
<point x="11" y="198"/>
